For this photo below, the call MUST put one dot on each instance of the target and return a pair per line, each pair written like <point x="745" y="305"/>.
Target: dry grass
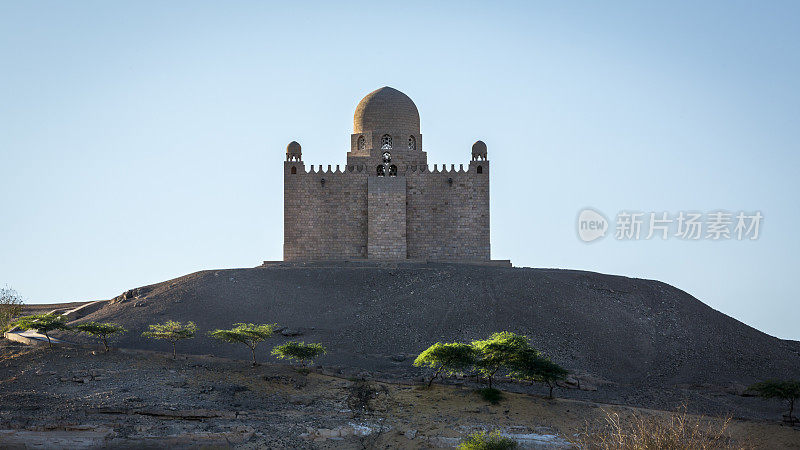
<point x="674" y="431"/>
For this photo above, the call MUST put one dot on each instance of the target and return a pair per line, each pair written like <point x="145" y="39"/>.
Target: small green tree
<point x="42" y="323"/>
<point x="784" y="390"/>
<point x="101" y="330"/>
<point x="10" y="307"/>
<point x="499" y="352"/>
<point x="482" y="440"/>
<point x="248" y="334"/>
<point x="447" y="359"/>
<point x="532" y="366"/>
<point x="172" y="331"/>
<point x="299" y="351"/>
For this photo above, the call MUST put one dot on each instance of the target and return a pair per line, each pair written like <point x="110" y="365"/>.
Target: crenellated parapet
<point x="297" y="167"/>
<point x="300" y="168"/>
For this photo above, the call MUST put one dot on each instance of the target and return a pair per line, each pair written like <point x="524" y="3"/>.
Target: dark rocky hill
<point x="611" y="330"/>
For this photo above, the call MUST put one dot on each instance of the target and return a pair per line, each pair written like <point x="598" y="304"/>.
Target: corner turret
<point x="294" y="152"/>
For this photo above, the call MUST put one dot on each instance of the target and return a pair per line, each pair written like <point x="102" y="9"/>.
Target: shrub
<point x="248" y="334"/>
<point x="446" y="358"/>
<point x="788" y="390"/>
<point x="101" y="330"/>
<point x="172" y="331"/>
<point x="487" y="441"/>
<point x="299" y="351"/>
<point x="678" y="431"/>
<point x="491" y="395"/>
<point x="10" y="307"/>
<point x="42" y="323"/>
<point x="360" y="395"/>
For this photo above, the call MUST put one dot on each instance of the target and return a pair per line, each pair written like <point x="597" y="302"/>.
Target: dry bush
<point x="362" y="396"/>
<point x="676" y="431"/>
<point x="10" y="307"/>
<point x="482" y="440"/>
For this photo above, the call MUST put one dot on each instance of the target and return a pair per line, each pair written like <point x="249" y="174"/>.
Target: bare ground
<point x="49" y="307"/>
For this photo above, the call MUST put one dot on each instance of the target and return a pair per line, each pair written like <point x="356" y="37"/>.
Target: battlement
<point x="319" y="169"/>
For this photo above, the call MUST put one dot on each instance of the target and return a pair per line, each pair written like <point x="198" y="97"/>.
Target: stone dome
<point x="293" y="147"/>
<point x="386" y="109"/>
<point x="293" y="151"/>
<point x="478" y="150"/>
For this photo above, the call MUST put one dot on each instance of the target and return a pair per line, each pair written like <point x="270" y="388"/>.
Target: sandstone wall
<point x="324" y="221"/>
<point x="449" y="221"/>
<point x="439" y="214"/>
<point x="386" y="234"/>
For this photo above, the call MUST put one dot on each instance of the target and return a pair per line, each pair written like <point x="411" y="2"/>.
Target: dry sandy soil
<point x="69" y="397"/>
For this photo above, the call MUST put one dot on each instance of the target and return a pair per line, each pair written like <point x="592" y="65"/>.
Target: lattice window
<point x="386" y="142"/>
<point x="412" y="143"/>
<point x="362" y="143"/>
<point x="380" y="171"/>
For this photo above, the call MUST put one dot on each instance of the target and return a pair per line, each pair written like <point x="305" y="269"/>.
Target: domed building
<point x="386" y="203"/>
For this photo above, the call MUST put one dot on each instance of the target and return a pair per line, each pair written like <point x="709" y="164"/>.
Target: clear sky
<point x="144" y="140"/>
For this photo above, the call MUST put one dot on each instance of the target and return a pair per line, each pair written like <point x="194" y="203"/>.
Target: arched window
<point x="392" y="170"/>
<point x="294" y="170"/>
<point x="362" y="143"/>
<point x="386" y="142"/>
<point x="380" y="170"/>
<point x="480" y="169"/>
<point x="412" y="143"/>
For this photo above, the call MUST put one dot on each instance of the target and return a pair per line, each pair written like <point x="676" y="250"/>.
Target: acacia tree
<point x="299" y="351"/>
<point x="783" y="390"/>
<point x="248" y="334"/>
<point x="172" y="331"/>
<point x="447" y="358"/>
<point x="499" y="352"/>
<point x="42" y="323"/>
<point x="102" y="330"/>
<point x="533" y="366"/>
<point x="10" y="306"/>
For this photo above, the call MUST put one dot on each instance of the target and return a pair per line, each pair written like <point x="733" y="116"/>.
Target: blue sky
<point x="140" y="141"/>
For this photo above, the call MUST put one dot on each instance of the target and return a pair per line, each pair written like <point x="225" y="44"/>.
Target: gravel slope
<point x="614" y="328"/>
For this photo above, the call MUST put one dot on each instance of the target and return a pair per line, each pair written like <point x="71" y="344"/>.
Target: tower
<point x="386" y="204"/>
